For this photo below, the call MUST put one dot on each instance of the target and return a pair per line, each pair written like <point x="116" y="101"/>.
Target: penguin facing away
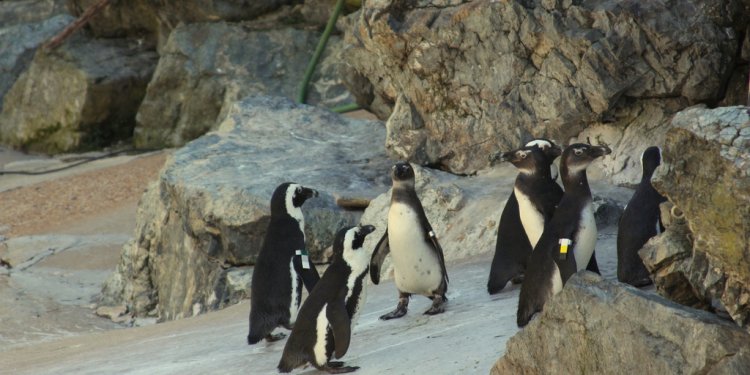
<point x="282" y="266"/>
<point x="418" y="261"/>
<point x="323" y="330"/>
<point x="568" y="240"/>
<point x="539" y="193"/>
<point x="639" y="222"/>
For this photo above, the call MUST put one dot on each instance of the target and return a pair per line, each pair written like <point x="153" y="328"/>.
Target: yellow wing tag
<point x="564" y="243"/>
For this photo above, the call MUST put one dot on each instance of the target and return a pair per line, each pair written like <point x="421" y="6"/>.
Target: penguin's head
<point x="289" y="197"/>
<point x="531" y="159"/>
<point x="550" y="149"/>
<point x="578" y="156"/>
<point x="402" y="172"/>
<point x="348" y="246"/>
<point x="650" y="159"/>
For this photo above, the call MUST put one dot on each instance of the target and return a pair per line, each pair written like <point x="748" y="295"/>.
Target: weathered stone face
<point x="205" y="67"/>
<point x="18" y="43"/>
<point x="83" y="95"/>
<point x="208" y="213"/>
<point x="596" y="326"/>
<point x="483" y="75"/>
<point x="707" y="175"/>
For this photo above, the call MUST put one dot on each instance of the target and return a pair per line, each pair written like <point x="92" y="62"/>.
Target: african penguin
<point x="323" y="329"/>
<point x="537" y="193"/>
<point x="282" y="266"/>
<point x="568" y="240"/>
<point x="418" y="263"/>
<point x="639" y="222"/>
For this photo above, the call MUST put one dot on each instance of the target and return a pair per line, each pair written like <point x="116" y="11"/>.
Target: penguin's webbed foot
<point x="438" y="306"/>
<point x="399" y="312"/>
<point x="339" y="368"/>
<point x="271" y="337"/>
<point x="335" y="364"/>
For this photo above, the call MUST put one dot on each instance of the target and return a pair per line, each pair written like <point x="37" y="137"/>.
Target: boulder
<point x="473" y="77"/>
<point x="207" y="66"/>
<point x="29" y="11"/>
<point x="707" y="175"/>
<point x="83" y="95"/>
<point x="19" y="42"/>
<point x="155" y="20"/>
<point x="207" y="214"/>
<point x="596" y="326"/>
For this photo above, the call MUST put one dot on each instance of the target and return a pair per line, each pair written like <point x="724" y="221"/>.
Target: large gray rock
<point x="210" y="208"/>
<point x="476" y="76"/>
<point x="18" y="43"/>
<point x="707" y="175"/>
<point x="207" y="66"/>
<point x="29" y="11"/>
<point x="154" y="20"/>
<point x="83" y="95"/>
<point x="596" y="326"/>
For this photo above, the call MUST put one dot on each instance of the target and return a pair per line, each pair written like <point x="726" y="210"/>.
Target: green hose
<point x="302" y="93"/>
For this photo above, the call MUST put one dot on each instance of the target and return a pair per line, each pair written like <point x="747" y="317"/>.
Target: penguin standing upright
<point x="639" y="222"/>
<point x="539" y="193"/>
<point x="418" y="262"/>
<point x="568" y="240"/>
<point x="282" y="266"/>
<point x="323" y="329"/>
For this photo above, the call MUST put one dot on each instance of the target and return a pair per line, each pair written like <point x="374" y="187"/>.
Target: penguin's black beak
<point x="309" y="193"/>
<point x="501" y="157"/>
<point x="597" y="151"/>
<point x="366" y="229"/>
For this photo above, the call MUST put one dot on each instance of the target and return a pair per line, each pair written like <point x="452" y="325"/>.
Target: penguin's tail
<point x="524" y="315"/>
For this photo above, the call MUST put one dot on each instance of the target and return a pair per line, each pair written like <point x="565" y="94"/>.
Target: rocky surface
<point x="83" y="95"/>
<point x="209" y="210"/>
<point x="29" y="11"/>
<point x="154" y="20"/>
<point x="205" y="67"/>
<point x="462" y="79"/>
<point x="19" y="41"/>
<point x="706" y="175"/>
<point x="617" y="329"/>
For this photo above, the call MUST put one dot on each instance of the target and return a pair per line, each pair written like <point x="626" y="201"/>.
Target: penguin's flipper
<point x="438" y="250"/>
<point x="309" y="275"/>
<point x="378" y="255"/>
<point x="340" y="324"/>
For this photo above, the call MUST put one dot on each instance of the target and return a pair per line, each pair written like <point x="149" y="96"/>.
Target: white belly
<point x="557" y="283"/>
<point x="361" y="300"/>
<point x="321" y="329"/>
<point x="294" y="303"/>
<point x="416" y="268"/>
<point x="531" y="218"/>
<point x="585" y="240"/>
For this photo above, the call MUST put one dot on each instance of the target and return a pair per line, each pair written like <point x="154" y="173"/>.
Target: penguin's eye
<point x="578" y="151"/>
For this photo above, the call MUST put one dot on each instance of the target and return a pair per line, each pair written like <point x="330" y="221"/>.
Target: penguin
<point x="536" y="182"/>
<point x="282" y="266"/>
<point x="323" y="329"/>
<point x="418" y="261"/>
<point x="639" y="222"/>
<point x="568" y="240"/>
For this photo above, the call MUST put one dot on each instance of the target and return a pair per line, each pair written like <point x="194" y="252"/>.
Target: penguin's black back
<point x="270" y="294"/>
<point x="330" y="289"/>
<point x="512" y="248"/>
<point x="638" y="224"/>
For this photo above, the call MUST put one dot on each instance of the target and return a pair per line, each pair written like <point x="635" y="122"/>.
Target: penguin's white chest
<point x="585" y="240"/>
<point x="531" y="219"/>
<point x="416" y="266"/>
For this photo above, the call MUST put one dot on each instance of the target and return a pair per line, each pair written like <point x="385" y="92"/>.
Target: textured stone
<point x="83" y="95"/>
<point x="29" y="11"/>
<point x="596" y="326"/>
<point x="19" y="42"/>
<point x="486" y="75"/>
<point x="207" y="66"/>
<point x="155" y="20"/>
<point x="206" y="217"/>
<point x="707" y="175"/>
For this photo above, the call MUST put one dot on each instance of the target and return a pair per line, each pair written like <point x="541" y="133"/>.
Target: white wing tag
<point x="305" y="258"/>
